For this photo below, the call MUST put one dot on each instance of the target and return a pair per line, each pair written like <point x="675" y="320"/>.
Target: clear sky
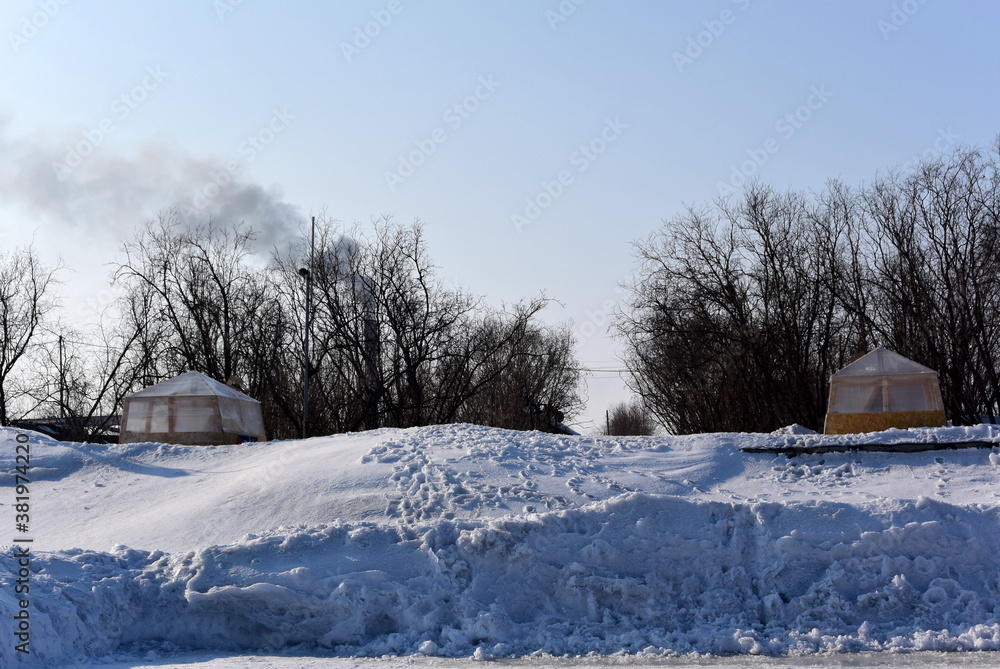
<point x="535" y="140"/>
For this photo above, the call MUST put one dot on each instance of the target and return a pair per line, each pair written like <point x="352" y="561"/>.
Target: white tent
<point x="191" y="409"/>
<point x="880" y="390"/>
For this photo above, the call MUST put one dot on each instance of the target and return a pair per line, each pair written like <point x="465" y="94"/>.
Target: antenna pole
<point x="307" y="273"/>
<point x="62" y="381"/>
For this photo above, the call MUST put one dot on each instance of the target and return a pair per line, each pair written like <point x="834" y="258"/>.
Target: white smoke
<point x="341" y="254"/>
<point x="109" y="193"/>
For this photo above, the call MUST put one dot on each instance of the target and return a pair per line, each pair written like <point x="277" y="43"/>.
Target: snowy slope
<point x="462" y="540"/>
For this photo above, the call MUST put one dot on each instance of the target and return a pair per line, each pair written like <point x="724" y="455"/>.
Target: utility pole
<point x="306" y="273"/>
<point x="62" y="382"/>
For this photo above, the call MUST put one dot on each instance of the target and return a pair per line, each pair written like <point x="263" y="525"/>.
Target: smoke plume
<point x="70" y="180"/>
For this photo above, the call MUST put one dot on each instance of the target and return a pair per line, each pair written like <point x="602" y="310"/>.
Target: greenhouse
<point x="881" y="390"/>
<point x="191" y="409"/>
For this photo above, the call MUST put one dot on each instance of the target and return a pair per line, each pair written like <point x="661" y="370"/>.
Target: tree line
<point x="392" y="345"/>
<point x="743" y="308"/>
<point x="739" y="312"/>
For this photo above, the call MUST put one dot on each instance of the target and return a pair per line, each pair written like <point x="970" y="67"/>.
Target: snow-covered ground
<point x="916" y="660"/>
<point x="468" y="542"/>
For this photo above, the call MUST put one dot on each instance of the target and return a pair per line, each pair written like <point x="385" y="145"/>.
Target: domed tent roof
<point x="192" y="384"/>
<point x="883" y="361"/>
<point x="191" y="409"/>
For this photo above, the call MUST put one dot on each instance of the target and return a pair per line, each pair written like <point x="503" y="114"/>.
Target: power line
<point x="66" y="340"/>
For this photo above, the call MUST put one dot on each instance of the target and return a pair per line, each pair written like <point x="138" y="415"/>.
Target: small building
<point x="881" y="390"/>
<point x="191" y="409"/>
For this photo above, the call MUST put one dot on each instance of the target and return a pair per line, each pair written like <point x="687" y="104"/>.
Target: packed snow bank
<point x="180" y="498"/>
<point x="223" y="660"/>
<point x="495" y="544"/>
<point x="635" y="574"/>
<point x="797" y="436"/>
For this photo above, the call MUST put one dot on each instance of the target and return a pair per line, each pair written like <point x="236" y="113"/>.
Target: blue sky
<point x="639" y="108"/>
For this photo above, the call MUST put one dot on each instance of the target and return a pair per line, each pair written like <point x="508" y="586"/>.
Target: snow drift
<point x="474" y="541"/>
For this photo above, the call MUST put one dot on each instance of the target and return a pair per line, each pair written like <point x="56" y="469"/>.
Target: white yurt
<point x="191" y="409"/>
<point x="883" y="389"/>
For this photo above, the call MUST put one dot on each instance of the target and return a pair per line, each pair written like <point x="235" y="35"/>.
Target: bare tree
<point x="26" y="301"/>
<point x="532" y="385"/>
<point x="742" y="310"/>
<point x="734" y="321"/>
<point x="394" y="346"/>
<point x="629" y="418"/>
<point x="203" y="296"/>
<point x="934" y="273"/>
<point x="90" y="371"/>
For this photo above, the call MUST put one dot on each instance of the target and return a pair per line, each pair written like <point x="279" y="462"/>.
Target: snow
<point x="923" y="660"/>
<point x="796" y="435"/>
<point x="461" y="541"/>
